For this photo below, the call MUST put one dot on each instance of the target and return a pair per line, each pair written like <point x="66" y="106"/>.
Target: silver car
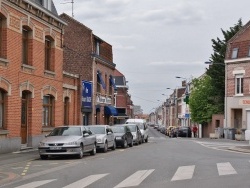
<point x="68" y="140"/>
<point x="144" y="131"/>
<point x="104" y="137"/>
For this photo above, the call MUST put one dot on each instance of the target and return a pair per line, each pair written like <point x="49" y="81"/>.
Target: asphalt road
<point x="163" y="162"/>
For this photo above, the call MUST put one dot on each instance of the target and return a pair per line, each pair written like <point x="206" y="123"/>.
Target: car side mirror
<point x="85" y="134"/>
<point x="109" y="133"/>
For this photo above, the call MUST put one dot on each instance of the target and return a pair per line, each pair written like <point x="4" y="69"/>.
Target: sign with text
<point x="86" y="94"/>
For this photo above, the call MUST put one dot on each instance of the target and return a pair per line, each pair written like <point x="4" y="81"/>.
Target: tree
<point x="217" y="71"/>
<point x="200" y="100"/>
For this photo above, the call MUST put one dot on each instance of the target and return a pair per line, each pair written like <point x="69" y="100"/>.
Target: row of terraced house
<point x="235" y="122"/>
<point x="53" y="71"/>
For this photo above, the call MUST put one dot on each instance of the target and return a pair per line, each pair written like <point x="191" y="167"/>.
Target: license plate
<point x="55" y="148"/>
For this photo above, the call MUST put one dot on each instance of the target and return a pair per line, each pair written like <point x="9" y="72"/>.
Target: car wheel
<point x="93" y="152"/>
<point x="105" y="149"/>
<point x="43" y="157"/>
<point x="80" y="155"/>
<point x="114" y="146"/>
<point x="125" y="144"/>
<point x="146" y="140"/>
<point x="131" y="144"/>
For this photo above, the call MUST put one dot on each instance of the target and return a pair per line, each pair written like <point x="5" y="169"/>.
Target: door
<point x="24" y="117"/>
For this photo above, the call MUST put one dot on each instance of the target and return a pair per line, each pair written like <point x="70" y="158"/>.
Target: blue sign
<point x="86" y="94"/>
<point x="187" y="115"/>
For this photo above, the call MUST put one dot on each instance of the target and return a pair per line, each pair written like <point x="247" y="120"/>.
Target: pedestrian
<point x="195" y="129"/>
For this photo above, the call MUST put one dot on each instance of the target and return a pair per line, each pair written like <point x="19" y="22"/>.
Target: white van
<point x="143" y="127"/>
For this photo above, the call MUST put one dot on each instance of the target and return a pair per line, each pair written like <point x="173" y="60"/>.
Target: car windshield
<point x="118" y="129"/>
<point x="132" y="128"/>
<point x="97" y="130"/>
<point x="66" y="131"/>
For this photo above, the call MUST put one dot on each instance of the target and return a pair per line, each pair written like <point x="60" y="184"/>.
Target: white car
<point x="68" y="140"/>
<point x="143" y="127"/>
<point x="144" y="131"/>
<point x="104" y="137"/>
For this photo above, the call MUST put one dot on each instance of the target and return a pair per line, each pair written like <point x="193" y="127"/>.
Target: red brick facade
<point x="237" y="101"/>
<point x="25" y="85"/>
<point x="82" y="57"/>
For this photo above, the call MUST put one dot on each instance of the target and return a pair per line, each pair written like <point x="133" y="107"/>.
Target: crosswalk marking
<point x="135" y="179"/>
<point x="225" y="169"/>
<point x="35" y="184"/>
<point x="183" y="173"/>
<point x="86" y="181"/>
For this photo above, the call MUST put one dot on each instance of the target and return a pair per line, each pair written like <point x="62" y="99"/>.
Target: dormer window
<point x="235" y="53"/>
<point x="47" y="4"/>
<point x="248" y="51"/>
<point x="97" y="48"/>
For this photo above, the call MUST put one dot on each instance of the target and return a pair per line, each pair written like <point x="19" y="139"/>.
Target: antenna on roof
<point x="72" y="2"/>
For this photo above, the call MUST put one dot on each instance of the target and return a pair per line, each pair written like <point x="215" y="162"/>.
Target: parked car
<point x="156" y="126"/>
<point x="169" y="130"/>
<point x="105" y="137"/>
<point x="68" y="140"/>
<point x="123" y="135"/>
<point x="144" y="131"/>
<point x="163" y="130"/>
<point x="184" y="132"/>
<point x="137" y="135"/>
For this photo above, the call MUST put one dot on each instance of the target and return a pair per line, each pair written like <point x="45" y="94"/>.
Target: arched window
<point x="2" y="108"/>
<point x="48" y="110"/>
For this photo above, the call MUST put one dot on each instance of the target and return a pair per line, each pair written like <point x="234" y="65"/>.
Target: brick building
<point x="123" y="102"/>
<point x="237" y="80"/>
<point x="35" y="94"/>
<point x="91" y="58"/>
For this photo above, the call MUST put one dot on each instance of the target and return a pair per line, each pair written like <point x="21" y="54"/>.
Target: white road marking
<point x="135" y="179"/>
<point x="35" y="184"/>
<point x="225" y="169"/>
<point x="86" y="181"/>
<point x="184" y="173"/>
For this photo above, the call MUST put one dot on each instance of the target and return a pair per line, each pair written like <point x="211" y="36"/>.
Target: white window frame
<point x="235" y="53"/>
<point x="97" y="48"/>
<point x="238" y="82"/>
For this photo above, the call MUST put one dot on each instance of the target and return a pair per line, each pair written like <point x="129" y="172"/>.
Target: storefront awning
<point x="99" y="75"/>
<point x="110" y="110"/>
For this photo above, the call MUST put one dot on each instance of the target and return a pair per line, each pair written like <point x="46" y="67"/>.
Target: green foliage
<point x="201" y="102"/>
<point x="217" y="71"/>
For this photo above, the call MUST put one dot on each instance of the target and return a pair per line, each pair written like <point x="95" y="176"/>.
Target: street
<point x="163" y="162"/>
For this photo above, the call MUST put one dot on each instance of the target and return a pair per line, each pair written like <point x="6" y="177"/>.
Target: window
<point x="48" y="54"/>
<point x="238" y="84"/>
<point x="66" y="111"/>
<point x="97" y="48"/>
<point x="25" y="46"/>
<point x="1" y="37"/>
<point x="235" y="53"/>
<point x="2" y="108"/>
<point x="48" y="109"/>
<point x="249" y="51"/>
<point x="3" y="42"/>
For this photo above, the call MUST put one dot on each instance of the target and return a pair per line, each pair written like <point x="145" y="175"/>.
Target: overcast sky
<point x="156" y="40"/>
